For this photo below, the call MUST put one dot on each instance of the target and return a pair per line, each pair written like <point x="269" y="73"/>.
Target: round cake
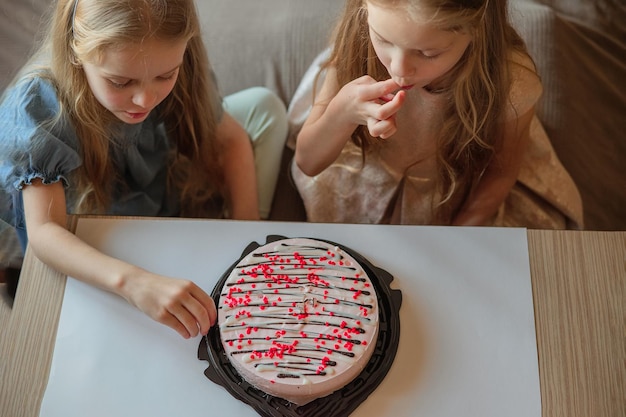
<point x="298" y="318"/>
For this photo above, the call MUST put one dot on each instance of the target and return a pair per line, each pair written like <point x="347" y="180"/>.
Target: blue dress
<point x="31" y="148"/>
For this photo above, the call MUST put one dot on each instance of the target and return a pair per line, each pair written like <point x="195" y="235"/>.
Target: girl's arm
<point x="338" y="111"/>
<point x="239" y="172"/>
<point x="179" y="304"/>
<point x="500" y="175"/>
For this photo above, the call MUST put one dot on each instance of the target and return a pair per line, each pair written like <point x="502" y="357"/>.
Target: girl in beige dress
<point x="426" y="116"/>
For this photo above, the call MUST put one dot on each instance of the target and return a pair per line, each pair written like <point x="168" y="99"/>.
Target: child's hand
<point x="177" y="303"/>
<point x="373" y="104"/>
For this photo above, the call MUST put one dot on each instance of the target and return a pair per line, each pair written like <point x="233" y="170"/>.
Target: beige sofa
<point x="578" y="45"/>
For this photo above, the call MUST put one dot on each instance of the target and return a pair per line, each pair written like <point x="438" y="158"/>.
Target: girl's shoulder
<point x="525" y="88"/>
<point x="33" y="96"/>
<point x="35" y="139"/>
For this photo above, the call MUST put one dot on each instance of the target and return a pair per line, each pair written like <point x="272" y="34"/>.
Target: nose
<point x="145" y="97"/>
<point x="402" y="65"/>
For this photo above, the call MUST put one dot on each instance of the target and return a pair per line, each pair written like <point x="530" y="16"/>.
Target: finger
<point x="390" y="108"/>
<point x="212" y="309"/>
<point x="171" y="321"/>
<point x="374" y="92"/>
<point x="371" y="126"/>
<point x="382" y="128"/>
<point x="395" y="102"/>
<point x="384" y="90"/>
<point x="202" y="308"/>
<point x="364" y="80"/>
<point x="388" y="133"/>
<point x="386" y="98"/>
<point x="387" y="110"/>
<point x="399" y="98"/>
<point x="181" y="312"/>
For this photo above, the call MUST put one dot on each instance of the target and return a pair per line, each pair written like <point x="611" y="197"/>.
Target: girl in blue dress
<point x="119" y="114"/>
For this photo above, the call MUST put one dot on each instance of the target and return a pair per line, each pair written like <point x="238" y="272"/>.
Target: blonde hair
<point x="478" y="86"/>
<point x="81" y="31"/>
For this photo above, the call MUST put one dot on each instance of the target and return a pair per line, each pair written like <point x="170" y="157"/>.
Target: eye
<point x="428" y="56"/>
<point x="118" y="84"/>
<point x="382" y="41"/>
<point x="376" y="38"/>
<point x="170" y="76"/>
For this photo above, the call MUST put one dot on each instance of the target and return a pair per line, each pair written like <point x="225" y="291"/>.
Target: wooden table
<point x="578" y="280"/>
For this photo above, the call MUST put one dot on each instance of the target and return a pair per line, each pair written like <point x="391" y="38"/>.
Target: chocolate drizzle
<point x="304" y="301"/>
<point x="297" y="351"/>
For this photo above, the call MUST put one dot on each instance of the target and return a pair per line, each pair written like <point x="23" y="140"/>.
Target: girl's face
<point x="131" y="81"/>
<point x="414" y="51"/>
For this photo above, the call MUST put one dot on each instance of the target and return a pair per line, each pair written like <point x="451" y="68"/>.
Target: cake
<point x="298" y="318"/>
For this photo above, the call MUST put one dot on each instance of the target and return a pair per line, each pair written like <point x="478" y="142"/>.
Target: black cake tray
<point x="340" y="403"/>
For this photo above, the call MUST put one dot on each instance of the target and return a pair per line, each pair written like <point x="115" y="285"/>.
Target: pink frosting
<point x="298" y="318"/>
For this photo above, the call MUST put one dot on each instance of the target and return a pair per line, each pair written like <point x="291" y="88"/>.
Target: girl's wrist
<point x="121" y="281"/>
<point x="341" y="120"/>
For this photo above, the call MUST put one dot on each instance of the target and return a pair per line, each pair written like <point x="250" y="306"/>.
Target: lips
<point x="136" y="115"/>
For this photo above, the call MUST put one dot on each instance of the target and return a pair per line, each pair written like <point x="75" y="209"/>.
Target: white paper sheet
<point x="467" y="343"/>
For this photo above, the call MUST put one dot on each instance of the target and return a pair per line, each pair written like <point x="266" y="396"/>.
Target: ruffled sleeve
<point x="34" y="142"/>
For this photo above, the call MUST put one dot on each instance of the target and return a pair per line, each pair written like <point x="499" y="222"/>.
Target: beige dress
<point x="397" y="182"/>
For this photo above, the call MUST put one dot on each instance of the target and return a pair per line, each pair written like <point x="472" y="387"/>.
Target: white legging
<point x="263" y="115"/>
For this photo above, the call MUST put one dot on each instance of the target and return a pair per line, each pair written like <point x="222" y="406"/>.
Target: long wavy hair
<point x="81" y="31"/>
<point x="477" y="87"/>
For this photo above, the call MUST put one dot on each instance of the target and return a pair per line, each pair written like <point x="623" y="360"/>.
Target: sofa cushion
<point x="268" y="42"/>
